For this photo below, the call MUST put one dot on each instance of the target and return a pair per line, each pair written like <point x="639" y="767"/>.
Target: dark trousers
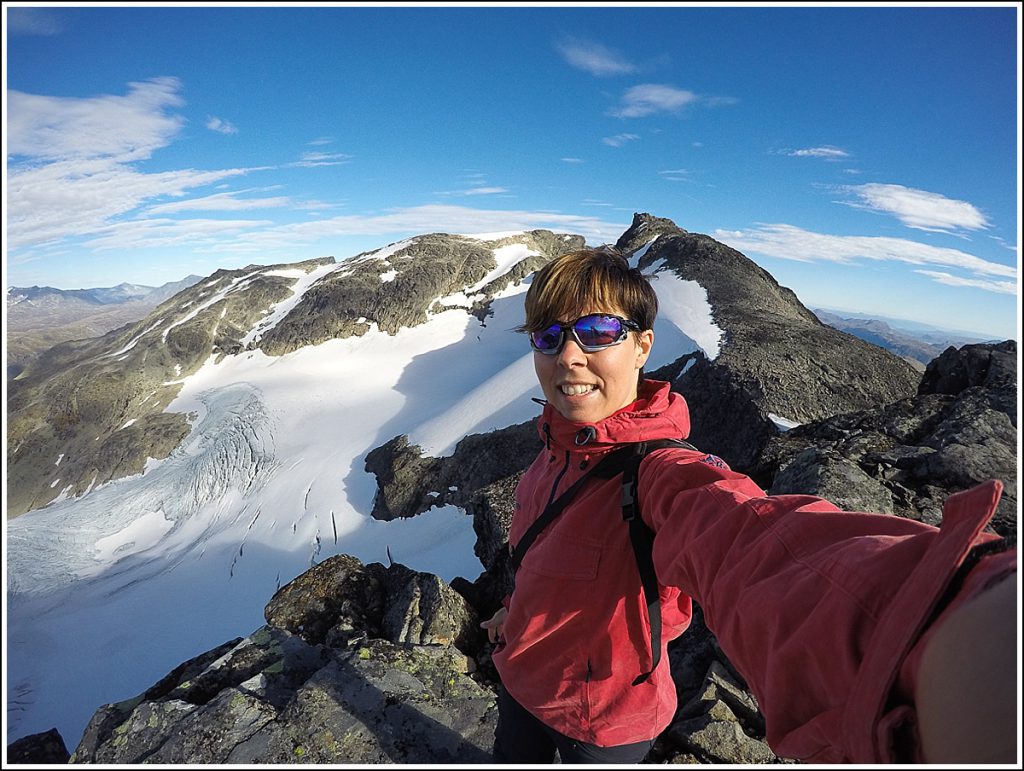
<point x="522" y="739"/>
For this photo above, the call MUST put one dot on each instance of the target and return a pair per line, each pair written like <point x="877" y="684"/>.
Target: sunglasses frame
<point x="626" y="325"/>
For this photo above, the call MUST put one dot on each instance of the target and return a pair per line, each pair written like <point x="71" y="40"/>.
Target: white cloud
<point x="77" y="198"/>
<point x="620" y="139"/>
<point x="650" y="98"/>
<point x="675" y="175"/>
<point x="123" y="128"/>
<point x="311" y="159"/>
<point x="320" y="141"/>
<point x="919" y="208"/>
<point x="479" y="189"/>
<point x="485" y="190"/>
<point x="572" y="160"/>
<point x="595" y="58"/>
<point x="220" y="202"/>
<point x="73" y="172"/>
<point x="826" y="151"/>
<point x="220" y="126"/>
<point x="162" y="233"/>
<point x="791" y="243"/>
<point x="1000" y="287"/>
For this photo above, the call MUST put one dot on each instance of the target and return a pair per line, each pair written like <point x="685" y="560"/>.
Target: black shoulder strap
<point x="610" y="465"/>
<point x="625" y="461"/>
<point x="642" y="539"/>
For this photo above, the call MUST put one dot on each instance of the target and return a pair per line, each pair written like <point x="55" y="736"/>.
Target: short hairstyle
<point x="585" y="280"/>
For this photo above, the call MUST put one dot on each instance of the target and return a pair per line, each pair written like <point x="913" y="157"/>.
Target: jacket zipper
<point x="554" y="487"/>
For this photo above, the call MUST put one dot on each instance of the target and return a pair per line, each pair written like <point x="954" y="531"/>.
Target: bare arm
<point x="967" y="682"/>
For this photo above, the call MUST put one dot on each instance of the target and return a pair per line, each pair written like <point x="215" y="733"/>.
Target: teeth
<point x="577" y="390"/>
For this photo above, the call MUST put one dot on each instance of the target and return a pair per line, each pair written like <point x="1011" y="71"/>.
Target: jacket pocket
<point x="557" y="556"/>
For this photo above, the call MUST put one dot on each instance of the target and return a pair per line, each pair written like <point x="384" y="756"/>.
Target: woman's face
<point x="588" y="387"/>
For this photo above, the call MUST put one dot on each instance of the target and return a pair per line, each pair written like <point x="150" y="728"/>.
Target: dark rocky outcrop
<point x="909" y="456"/>
<point x="357" y="664"/>
<point x="408" y="482"/>
<point x="43" y="749"/>
<point x="775" y="356"/>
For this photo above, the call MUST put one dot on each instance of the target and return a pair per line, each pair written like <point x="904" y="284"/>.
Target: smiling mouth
<point x="577" y="390"/>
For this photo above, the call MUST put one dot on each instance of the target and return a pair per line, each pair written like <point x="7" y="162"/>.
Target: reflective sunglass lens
<point x="598" y="330"/>
<point x="547" y="339"/>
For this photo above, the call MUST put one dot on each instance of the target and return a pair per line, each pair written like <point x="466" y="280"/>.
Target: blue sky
<point x="867" y="157"/>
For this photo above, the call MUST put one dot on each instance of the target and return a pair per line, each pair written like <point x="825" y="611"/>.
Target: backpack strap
<point x="642" y="539"/>
<point x="626" y="461"/>
<point x="609" y="466"/>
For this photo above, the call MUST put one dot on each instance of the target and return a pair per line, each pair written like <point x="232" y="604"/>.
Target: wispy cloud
<point x="319" y="141"/>
<point x="791" y="243"/>
<point x="919" y="208"/>
<point x="572" y="160"/>
<point x="827" y="152"/>
<point x="220" y="202"/>
<point x="620" y="139"/>
<point x="999" y="287"/>
<point x="650" y="98"/>
<point x="1003" y="243"/>
<point x="121" y="128"/>
<point x="73" y="162"/>
<point x="199" y="234"/>
<point x="675" y="175"/>
<point x="220" y="126"/>
<point x="33" y="21"/>
<point x="311" y="159"/>
<point x="594" y="58"/>
<point x="485" y="191"/>
<point x="475" y="189"/>
<point x="77" y="198"/>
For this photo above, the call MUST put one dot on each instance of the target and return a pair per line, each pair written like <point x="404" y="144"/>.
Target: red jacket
<point x="819" y="609"/>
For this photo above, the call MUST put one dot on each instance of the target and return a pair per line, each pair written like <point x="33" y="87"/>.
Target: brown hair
<point x="589" y="279"/>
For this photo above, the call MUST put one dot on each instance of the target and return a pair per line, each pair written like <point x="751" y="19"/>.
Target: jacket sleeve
<point x="816" y="607"/>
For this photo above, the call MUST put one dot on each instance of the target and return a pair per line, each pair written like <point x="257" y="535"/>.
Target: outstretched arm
<point x="819" y="609"/>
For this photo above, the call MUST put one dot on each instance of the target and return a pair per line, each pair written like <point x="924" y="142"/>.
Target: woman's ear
<point x="644" y="342"/>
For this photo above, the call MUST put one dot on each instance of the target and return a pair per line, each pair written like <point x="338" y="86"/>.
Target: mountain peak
<point x="644" y="229"/>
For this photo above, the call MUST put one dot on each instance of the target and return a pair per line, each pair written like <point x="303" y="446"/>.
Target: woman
<point x="825" y="613"/>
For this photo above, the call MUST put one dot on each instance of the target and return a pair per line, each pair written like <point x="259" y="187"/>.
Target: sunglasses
<point x="593" y="332"/>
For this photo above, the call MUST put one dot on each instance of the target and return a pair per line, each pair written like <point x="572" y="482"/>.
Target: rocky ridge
<point x="776" y="357"/>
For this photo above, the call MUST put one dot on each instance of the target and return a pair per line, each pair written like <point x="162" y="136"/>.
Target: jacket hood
<point x="658" y="413"/>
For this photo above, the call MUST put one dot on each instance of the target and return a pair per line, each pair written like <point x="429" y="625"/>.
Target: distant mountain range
<point x="39" y="317"/>
<point x="917" y="343"/>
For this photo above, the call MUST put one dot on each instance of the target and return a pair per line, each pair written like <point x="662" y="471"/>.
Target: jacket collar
<point x="658" y="413"/>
